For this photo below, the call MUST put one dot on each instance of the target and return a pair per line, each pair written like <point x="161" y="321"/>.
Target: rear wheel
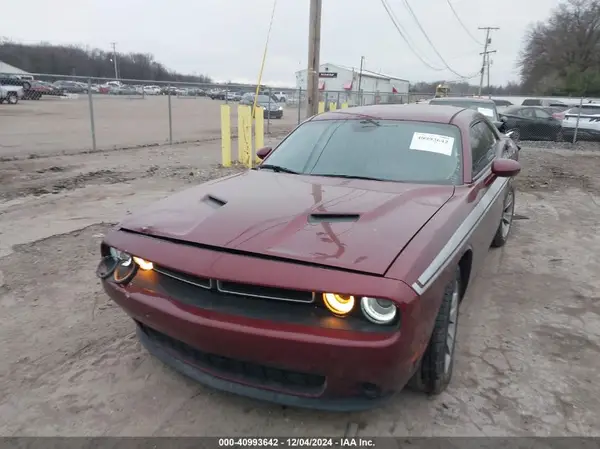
<point x="435" y="370"/>
<point x="508" y="211"/>
<point x="12" y="98"/>
<point x="559" y="136"/>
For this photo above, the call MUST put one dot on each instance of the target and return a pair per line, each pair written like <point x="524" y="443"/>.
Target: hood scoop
<point x="332" y="218"/>
<point x="213" y="201"/>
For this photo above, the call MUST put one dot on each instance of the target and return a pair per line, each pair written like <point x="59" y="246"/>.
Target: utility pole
<point x="486" y="63"/>
<point x="314" y="50"/>
<point x="485" y="53"/>
<point x="114" y="47"/>
<point x="362" y="61"/>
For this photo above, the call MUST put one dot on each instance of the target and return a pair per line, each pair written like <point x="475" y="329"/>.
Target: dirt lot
<point x="529" y="337"/>
<point x="53" y="124"/>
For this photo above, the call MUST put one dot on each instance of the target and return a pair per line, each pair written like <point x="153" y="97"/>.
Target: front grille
<point x="257" y="291"/>
<point x="184" y="277"/>
<point x="240" y="289"/>
<point x="233" y="369"/>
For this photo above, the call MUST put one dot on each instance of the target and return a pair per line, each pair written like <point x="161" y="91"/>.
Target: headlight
<point x="123" y="258"/>
<point x="378" y="311"/>
<point x="338" y="304"/>
<point x="280" y="108"/>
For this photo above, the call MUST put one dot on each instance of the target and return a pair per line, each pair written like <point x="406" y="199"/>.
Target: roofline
<point x="367" y="73"/>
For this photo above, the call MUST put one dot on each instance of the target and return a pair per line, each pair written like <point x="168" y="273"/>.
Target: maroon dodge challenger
<point x="330" y="275"/>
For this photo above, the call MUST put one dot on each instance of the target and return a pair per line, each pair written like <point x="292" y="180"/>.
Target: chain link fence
<point x="73" y="114"/>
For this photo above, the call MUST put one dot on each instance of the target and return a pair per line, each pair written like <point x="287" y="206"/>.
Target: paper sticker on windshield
<point x="434" y="143"/>
<point x="485" y="111"/>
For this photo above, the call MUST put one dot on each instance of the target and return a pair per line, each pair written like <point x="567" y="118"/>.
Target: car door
<point x="545" y="127"/>
<point x="487" y="190"/>
<point x="525" y="123"/>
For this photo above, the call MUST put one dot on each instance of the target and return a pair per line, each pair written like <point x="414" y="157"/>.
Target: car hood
<point x="351" y="224"/>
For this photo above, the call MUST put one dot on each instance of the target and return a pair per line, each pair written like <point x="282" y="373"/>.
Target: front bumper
<point x="273" y="114"/>
<point x="290" y="364"/>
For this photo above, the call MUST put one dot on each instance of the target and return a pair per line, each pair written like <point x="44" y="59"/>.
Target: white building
<point x="11" y="69"/>
<point x="338" y="81"/>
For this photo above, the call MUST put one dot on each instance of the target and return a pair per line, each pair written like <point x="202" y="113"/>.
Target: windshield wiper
<point x="276" y="169"/>
<point x="349" y="177"/>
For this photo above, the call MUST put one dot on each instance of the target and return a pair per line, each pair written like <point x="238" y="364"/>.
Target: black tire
<point x="12" y="98"/>
<point x="436" y="366"/>
<point x="508" y="212"/>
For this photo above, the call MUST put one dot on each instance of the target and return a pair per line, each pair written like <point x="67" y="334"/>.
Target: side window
<point x="540" y="113"/>
<point x="483" y="146"/>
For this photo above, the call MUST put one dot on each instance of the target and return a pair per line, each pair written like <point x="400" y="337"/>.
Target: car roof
<point x="410" y="112"/>
<point x="465" y="100"/>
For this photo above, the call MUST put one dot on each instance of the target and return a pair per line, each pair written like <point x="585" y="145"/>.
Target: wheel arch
<point x="465" y="264"/>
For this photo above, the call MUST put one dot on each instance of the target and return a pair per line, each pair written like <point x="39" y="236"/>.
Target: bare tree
<point x="562" y="55"/>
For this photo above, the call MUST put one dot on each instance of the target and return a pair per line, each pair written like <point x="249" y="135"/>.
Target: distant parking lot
<point x="54" y="125"/>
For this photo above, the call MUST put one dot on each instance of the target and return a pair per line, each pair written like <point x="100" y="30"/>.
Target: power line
<point x="412" y="13"/>
<point x="462" y="23"/>
<point x="404" y="36"/>
<point x="409" y="40"/>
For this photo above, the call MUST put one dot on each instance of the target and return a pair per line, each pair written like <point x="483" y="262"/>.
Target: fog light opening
<point x="370" y="390"/>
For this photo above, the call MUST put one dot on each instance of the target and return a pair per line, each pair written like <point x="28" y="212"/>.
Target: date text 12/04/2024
<point x="296" y="442"/>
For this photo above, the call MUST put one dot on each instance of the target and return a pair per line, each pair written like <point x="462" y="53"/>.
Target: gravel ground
<point x="528" y="352"/>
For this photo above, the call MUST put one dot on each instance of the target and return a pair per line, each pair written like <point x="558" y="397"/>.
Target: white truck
<point x="10" y="94"/>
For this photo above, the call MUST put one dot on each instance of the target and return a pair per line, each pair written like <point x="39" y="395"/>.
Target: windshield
<point x="263" y="99"/>
<point x="385" y="150"/>
<point x="487" y="109"/>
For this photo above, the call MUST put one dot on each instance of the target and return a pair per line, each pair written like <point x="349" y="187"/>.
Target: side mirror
<point x="506" y="168"/>
<point x="263" y="152"/>
<point x="503" y="119"/>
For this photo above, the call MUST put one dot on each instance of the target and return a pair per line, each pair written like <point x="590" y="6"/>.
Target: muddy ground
<point x="529" y="336"/>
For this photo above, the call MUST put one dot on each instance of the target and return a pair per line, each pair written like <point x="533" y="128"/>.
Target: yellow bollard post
<point x="321" y="107"/>
<point x="226" y="135"/>
<point x="344" y="106"/>
<point x="332" y="106"/>
<point x="245" y="135"/>
<point x="259" y="132"/>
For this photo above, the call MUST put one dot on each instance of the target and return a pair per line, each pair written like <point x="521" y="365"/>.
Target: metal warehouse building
<point x="339" y="81"/>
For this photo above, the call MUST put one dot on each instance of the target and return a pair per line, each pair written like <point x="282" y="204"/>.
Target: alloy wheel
<point x="452" y="327"/>
<point x="507" y="213"/>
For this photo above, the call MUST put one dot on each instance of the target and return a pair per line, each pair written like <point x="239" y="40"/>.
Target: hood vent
<point x="332" y="218"/>
<point x="213" y="201"/>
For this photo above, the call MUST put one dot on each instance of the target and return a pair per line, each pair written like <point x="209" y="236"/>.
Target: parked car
<point x="10" y="94"/>
<point x="233" y="95"/>
<point x="15" y="80"/>
<point x="271" y="109"/>
<point x="532" y="123"/>
<point x="589" y="122"/>
<point x="544" y="102"/>
<point x="127" y="90"/>
<point x="38" y="88"/>
<point x="216" y="94"/>
<point x="502" y="103"/>
<point x="485" y="106"/>
<point x="280" y="96"/>
<point x="152" y="90"/>
<point x="346" y="283"/>
<point x="71" y="87"/>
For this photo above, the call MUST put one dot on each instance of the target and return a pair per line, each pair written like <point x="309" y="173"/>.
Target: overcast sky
<point x="225" y="38"/>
